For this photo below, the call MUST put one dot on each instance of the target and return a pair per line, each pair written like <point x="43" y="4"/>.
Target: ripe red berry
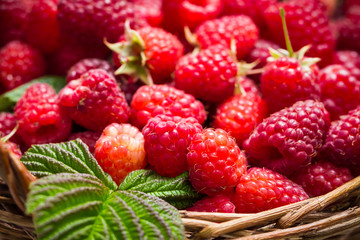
<point x="240" y="114"/>
<point x="40" y="118"/>
<point x="349" y="30"/>
<point x="321" y="177"/>
<point x="239" y="28"/>
<point x="85" y="65"/>
<point x="219" y="203"/>
<point x="209" y="75"/>
<point x="151" y="10"/>
<point x="88" y="137"/>
<point x="262" y="189"/>
<point x="120" y="150"/>
<point x="248" y="85"/>
<point x="289" y="139"/>
<point x="149" y="101"/>
<point x="215" y="162"/>
<point x="19" y="63"/>
<point x="14" y="149"/>
<point x="8" y="123"/>
<point x="340" y="91"/>
<point x="94" y="101"/>
<point x="167" y="139"/>
<point x="350" y="60"/>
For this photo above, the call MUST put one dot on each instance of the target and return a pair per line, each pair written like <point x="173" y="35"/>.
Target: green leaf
<point x="68" y="157"/>
<point x="10" y="98"/>
<point x="80" y="206"/>
<point x="176" y="191"/>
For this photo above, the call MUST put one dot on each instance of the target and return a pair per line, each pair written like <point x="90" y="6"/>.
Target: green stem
<point x="286" y="33"/>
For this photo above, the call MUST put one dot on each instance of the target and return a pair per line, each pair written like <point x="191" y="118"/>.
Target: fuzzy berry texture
<point x="284" y="82"/>
<point x="7" y="124"/>
<point x="321" y="177"/>
<point x="342" y="145"/>
<point x="209" y="75"/>
<point x="40" y="118"/>
<point x="19" y="63"/>
<point x="94" y="101"/>
<point x="215" y="162"/>
<point x="120" y="150"/>
<point x="190" y="13"/>
<point x="239" y="28"/>
<point x="42" y="29"/>
<point x="149" y="101"/>
<point x="219" y="203"/>
<point x="350" y="60"/>
<point x="262" y="189"/>
<point x="85" y="65"/>
<point x="240" y="114"/>
<point x="307" y="23"/>
<point x="88" y="137"/>
<point x="151" y="10"/>
<point x="289" y="139"/>
<point x="167" y="139"/>
<point x="340" y="91"/>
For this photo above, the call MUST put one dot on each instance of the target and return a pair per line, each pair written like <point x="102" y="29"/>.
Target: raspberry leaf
<point x="176" y="191"/>
<point x="10" y="98"/>
<point x="68" y="157"/>
<point x="80" y="206"/>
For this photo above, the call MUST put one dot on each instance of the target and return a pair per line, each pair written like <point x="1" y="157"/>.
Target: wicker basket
<point x="335" y="215"/>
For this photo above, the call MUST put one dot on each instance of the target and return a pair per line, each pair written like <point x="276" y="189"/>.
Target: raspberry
<point x="285" y="81"/>
<point x="219" y="203"/>
<point x="40" y="117"/>
<point x="7" y="124"/>
<point x="350" y="60"/>
<point x="88" y="137"/>
<point x="198" y="74"/>
<point x="340" y="91"/>
<point x="167" y="139"/>
<point x="342" y="145"/>
<point x="151" y="10"/>
<point x="19" y="63"/>
<point x="240" y="114"/>
<point x="14" y="149"/>
<point x="222" y="30"/>
<point x="349" y="31"/>
<point x="321" y="177"/>
<point x="307" y="24"/>
<point x="262" y="189"/>
<point x="85" y="65"/>
<point x="128" y="86"/>
<point x="289" y="139"/>
<point x="149" y="101"/>
<point x="94" y="101"/>
<point x="120" y="150"/>
<point x="215" y="162"/>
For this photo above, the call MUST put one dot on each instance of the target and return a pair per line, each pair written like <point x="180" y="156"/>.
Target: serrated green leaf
<point x="68" y="157"/>
<point x="79" y="206"/>
<point x="10" y="98"/>
<point x="176" y="191"/>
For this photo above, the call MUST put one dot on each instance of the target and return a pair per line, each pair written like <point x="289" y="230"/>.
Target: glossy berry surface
<point x="85" y="65"/>
<point x="350" y="60"/>
<point x="8" y="123"/>
<point x="219" y="203"/>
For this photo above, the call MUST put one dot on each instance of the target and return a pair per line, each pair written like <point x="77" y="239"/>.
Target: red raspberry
<point x="222" y="30"/>
<point x="120" y="150"/>
<point x="349" y="31"/>
<point x="13" y="148"/>
<point x="191" y="13"/>
<point x="340" y="91"/>
<point x="240" y="114"/>
<point x="209" y="75"/>
<point x="167" y="139"/>
<point x="322" y="177"/>
<point x="19" y="63"/>
<point x="252" y="8"/>
<point x="350" y="60"/>
<point x="307" y="24"/>
<point x="262" y="189"/>
<point x="94" y="101"/>
<point x="40" y="117"/>
<point x="128" y="86"/>
<point x="151" y="10"/>
<point x="159" y="50"/>
<point x="285" y="81"/>
<point x="289" y="139"/>
<point x="219" y="203"/>
<point x="42" y="29"/>
<point x="85" y="65"/>
<point x="7" y="124"/>
<point x="215" y="162"/>
<point x="88" y="137"/>
<point x="149" y="101"/>
<point x="342" y="145"/>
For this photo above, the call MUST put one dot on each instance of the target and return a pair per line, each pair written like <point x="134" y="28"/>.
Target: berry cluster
<point x="204" y="86"/>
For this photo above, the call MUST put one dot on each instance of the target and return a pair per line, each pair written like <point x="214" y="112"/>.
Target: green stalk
<point x="286" y="33"/>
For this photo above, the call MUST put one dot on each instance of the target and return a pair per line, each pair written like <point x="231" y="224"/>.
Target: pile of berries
<point x="204" y="86"/>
